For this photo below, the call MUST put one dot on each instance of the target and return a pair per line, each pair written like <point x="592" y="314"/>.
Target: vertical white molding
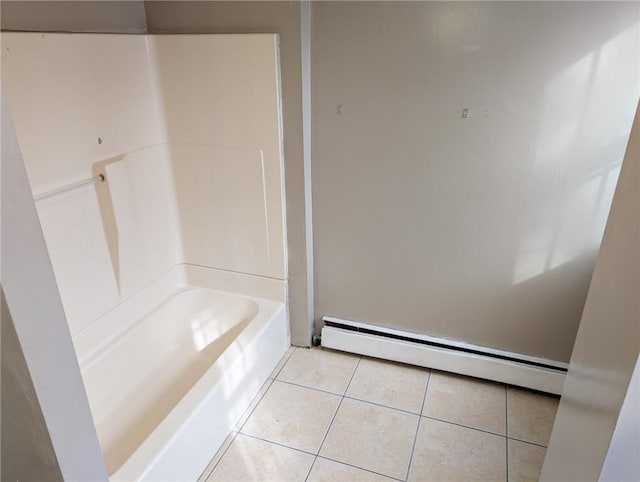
<point x="305" y="44"/>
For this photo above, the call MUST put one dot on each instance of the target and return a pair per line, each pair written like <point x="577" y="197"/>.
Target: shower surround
<point x="156" y="165"/>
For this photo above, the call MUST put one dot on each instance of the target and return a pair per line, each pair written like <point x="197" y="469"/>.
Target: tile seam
<point x="235" y="433"/>
<point x="527" y="442"/>
<point x="224" y="452"/>
<point x="506" y="431"/>
<point x="241" y="427"/>
<point x="359" y="468"/>
<point x="465" y="426"/>
<point x="326" y="433"/>
<point x="415" y="438"/>
<point x="277" y="443"/>
<point x="307" y="386"/>
<point x="288" y="357"/>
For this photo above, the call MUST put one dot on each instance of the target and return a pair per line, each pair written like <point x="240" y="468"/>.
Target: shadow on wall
<point x="589" y="178"/>
<point x="109" y="224"/>
<point x="27" y="452"/>
<point x="226" y="168"/>
<point x="561" y="293"/>
<point x="139" y="219"/>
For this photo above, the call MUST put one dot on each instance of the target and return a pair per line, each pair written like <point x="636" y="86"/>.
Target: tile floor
<point x="331" y="416"/>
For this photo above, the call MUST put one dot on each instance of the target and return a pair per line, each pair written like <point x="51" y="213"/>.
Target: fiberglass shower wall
<point x="186" y="131"/>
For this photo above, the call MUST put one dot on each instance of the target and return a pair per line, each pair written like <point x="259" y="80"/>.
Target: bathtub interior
<point x="165" y="344"/>
<point x="186" y="130"/>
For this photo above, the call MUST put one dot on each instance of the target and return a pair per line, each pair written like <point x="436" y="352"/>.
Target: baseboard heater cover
<point x="443" y="354"/>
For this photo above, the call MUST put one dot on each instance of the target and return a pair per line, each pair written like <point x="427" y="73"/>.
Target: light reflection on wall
<point x="582" y="153"/>
<point x="205" y="329"/>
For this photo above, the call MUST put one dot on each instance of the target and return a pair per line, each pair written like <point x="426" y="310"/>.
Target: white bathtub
<point x="169" y="372"/>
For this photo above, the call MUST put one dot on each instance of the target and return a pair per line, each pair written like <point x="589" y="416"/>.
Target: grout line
<point x="506" y="429"/>
<point x="350" y="397"/>
<point x="383" y="406"/>
<point x="206" y="473"/>
<point x="465" y="426"/>
<point x="224" y="452"/>
<point x="415" y="438"/>
<point x="284" y="364"/>
<point x="344" y="395"/>
<point x="259" y="399"/>
<point x="315" y="459"/>
<point x="276" y="443"/>
<point x="310" y="388"/>
<point x="326" y="433"/>
<point x="396" y="409"/>
<point x="527" y="442"/>
<point x="356" y="467"/>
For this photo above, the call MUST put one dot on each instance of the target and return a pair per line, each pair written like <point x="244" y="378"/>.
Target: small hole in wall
<point x="99" y="140"/>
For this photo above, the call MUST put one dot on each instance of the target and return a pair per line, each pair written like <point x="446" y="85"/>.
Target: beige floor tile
<point x="530" y="415"/>
<point x="467" y="401"/>
<point x="371" y="437"/>
<point x="325" y="470"/>
<point x="294" y="416"/>
<point x="216" y="458"/>
<point x="447" y="452"/>
<point x="282" y="362"/>
<point x="391" y="384"/>
<point x="319" y="368"/>
<point x="253" y="459"/>
<point x="525" y="461"/>
<point x="252" y="405"/>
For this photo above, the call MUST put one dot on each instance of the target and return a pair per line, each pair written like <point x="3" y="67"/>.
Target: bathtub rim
<point x="103" y="331"/>
<point x="272" y="317"/>
<point x="151" y="451"/>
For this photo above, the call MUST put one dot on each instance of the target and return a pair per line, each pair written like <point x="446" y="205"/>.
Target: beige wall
<point x="74" y="16"/>
<point x="27" y="453"/>
<point x="262" y="17"/>
<point x="608" y="341"/>
<point x="622" y="462"/>
<point x="410" y="207"/>
<point x="483" y="229"/>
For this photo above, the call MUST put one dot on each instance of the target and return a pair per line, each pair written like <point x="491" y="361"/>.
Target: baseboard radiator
<point x="443" y="354"/>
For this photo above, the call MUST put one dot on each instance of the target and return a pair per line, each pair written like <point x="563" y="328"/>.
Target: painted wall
<point x="621" y="462"/>
<point x="483" y="229"/>
<point x="262" y="17"/>
<point x="27" y="452"/>
<point x="34" y="307"/>
<point x="608" y="342"/>
<point x="74" y="16"/>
